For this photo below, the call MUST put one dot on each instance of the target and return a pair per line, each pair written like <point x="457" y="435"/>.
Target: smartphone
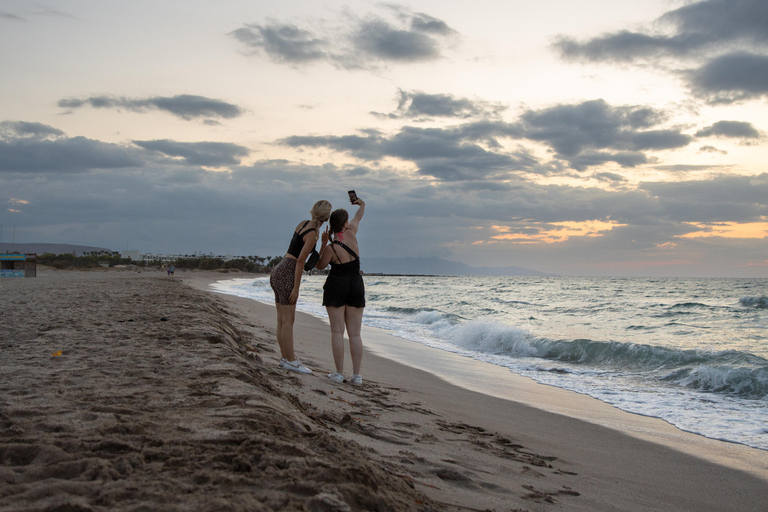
<point x="352" y="196"/>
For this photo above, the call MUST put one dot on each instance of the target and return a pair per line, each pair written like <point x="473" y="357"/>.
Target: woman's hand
<point x="326" y="236"/>
<point x="294" y="295"/>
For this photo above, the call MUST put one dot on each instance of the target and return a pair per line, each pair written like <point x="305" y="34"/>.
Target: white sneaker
<point x="294" y="366"/>
<point x="336" y="377"/>
<point x="357" y="380"/>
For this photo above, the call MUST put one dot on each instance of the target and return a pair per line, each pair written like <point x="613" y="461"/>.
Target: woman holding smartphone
<point x="286" y="280"/>
<point x="344" y="290"/>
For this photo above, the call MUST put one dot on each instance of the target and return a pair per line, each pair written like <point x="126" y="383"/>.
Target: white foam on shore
<point x="500" y="382"/>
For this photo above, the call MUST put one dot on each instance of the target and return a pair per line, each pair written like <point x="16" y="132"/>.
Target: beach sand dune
<point x="125" y="391"/>
<point x="134" y="391"/>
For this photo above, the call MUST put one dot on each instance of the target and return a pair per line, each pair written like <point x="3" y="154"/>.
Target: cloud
<point x="207" y="154"/>
<point x="283" y="43"/>
<point x="583" y="135"/>
<point x="733" y="129"/>
<point x="380" y="40"/>
<point x="453" y="154"/>
<point x="417" y="105"/>
<point x="35" y="147"/>
<point x="594" y="132"/>
<point x="23" y="129"/>
<point x="185" y="106"/>
<point x="723" y="199"/>
<point x="707" y="25"/>
<point x="731" y="78"/>
<point x="357" y="44"/>
<point x="63" y="154"/>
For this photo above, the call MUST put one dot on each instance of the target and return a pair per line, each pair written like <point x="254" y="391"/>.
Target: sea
<point x="693" y="352"/>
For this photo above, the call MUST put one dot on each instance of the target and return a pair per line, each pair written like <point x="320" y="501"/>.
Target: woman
<point x="344" y="291"/>
<point x="286" y="280"/>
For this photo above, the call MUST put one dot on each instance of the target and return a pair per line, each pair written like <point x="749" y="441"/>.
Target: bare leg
<point x="336" y="318"/>
<point x="285" y="317"/>
<point x="354" y="320"/>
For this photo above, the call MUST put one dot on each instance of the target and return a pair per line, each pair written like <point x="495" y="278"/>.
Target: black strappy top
<point x="297" y="242"/>
<point x="348" y="268"/>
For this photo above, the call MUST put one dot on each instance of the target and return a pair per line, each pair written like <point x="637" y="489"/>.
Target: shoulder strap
<point x="307" y="231"/>
<point x="350" y="251"/>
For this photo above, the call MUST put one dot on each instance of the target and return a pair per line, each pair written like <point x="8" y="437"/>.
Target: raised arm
<point x="354" y="224"/>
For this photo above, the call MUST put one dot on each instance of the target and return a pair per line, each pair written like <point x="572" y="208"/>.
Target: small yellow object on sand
<point x="56" y="354"/>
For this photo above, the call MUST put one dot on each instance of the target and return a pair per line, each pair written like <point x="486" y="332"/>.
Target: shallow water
<point x="693" y="352"/>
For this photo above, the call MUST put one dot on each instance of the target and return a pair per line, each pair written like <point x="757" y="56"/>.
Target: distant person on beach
<point x="344" y="290"/>
<point x="173" y="269"/>
<point x="286" y="280"/>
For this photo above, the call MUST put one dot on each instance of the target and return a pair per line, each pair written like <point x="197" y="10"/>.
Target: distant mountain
<point x="438" y="267"/>
<point x="52" y="248"/>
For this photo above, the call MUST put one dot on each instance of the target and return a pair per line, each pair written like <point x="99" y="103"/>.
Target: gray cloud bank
<point x="366" y="43"/>
<point x="185" y="106"/>
<point x="35" y="147"/>
<point x="156" y="196"/>
<point x="729" y="36"/>
<point x="581" y="136"/>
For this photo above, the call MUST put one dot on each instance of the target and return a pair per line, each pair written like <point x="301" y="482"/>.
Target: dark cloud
<point x="13" y="129"/>
<point x="63" y="154"/>
<point x="176" y="207"/>
<point x="707" y="25"/>
<point x="185" y="106"/>
<point x="207" y="154"/>
<point x="584" y="135"/>
<point x="723" y="199"/>
<point x="382" y="41"/>
<point x="733" y="129"/>
<point x="450" y="154"/>
<point x="283" y="43"/>
<point x="366" y="43"/>
<point x="594" y="132"/>
<point x="425" y="23"/>
<point x="732" y="77"/>
<point x="609" y="177"/>
<point x="417" y="104"/>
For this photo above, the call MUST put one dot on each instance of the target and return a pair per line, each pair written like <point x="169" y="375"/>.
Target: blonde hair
<point x="320" y="211"/>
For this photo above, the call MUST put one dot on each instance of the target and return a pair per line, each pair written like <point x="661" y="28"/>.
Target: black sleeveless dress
<point x="344" y="285"/>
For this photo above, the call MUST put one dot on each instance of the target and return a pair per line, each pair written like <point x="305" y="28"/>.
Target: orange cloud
<point x="555" y="232"/>
<point x="728" y="230"/>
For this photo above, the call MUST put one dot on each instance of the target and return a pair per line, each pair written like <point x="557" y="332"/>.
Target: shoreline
<point x="473" y="375"/>
<point x="671" y="459"/>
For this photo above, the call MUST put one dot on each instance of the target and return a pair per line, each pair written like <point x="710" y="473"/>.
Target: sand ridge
<point x="132" y="391"/>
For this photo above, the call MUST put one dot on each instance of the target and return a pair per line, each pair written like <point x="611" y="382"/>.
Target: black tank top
<point x="348" y="268"/>
<point x="297" y="242"/>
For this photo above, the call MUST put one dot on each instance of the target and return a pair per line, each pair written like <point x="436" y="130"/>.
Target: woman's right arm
<point x="354" y="224"/>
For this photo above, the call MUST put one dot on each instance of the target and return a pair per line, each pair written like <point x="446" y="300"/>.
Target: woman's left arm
<point x="325" y="251"/>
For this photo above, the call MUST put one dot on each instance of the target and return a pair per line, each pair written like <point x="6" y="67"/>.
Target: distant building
<point x="134" y="255"/>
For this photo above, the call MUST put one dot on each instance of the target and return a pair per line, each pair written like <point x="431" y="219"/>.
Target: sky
<point x="591" y="138"/>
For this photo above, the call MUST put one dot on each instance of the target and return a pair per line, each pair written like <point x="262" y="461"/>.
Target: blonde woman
<point x="286" y="281"/>
<point x="344" y="290"/>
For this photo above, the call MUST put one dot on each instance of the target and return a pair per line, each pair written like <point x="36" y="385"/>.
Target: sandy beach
<point x="125" y="390"/>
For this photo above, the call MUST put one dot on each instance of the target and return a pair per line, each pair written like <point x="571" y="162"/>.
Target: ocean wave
<point x="741" y="381"/>
<point x="688" y="305"/>
<point x="754" y="302"/>
<point x="499" y="339"/>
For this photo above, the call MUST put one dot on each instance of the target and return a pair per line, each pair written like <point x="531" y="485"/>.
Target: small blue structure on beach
<point x="18" y="265"/>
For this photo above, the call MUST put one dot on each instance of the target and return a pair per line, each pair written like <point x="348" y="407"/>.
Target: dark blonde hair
<point x="320" y="211"/>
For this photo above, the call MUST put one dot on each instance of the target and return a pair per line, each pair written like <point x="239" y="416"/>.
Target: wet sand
<point x="167" y="397"/>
